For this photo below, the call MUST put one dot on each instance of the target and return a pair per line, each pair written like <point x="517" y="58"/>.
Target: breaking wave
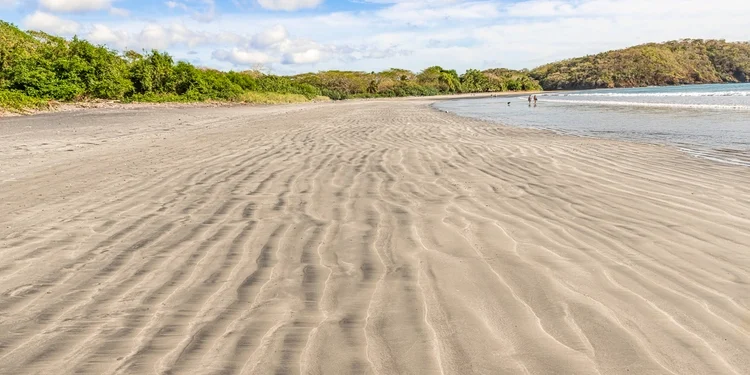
<point x="651" y="94"/>
<point x="734" y="107"/>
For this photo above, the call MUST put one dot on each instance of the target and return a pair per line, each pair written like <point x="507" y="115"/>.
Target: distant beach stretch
<point x="378" y="237"/>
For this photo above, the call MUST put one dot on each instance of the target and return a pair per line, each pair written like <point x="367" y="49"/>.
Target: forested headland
<point x="688" y="61"/>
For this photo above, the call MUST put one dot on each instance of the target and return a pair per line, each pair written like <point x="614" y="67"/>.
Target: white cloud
<point x="200" y="10"/>
<point x="101" y="34"/>
<point x="270" y="36"/>
<point x="289" y="5"/>
<point x="75" y="5"/>
<point x="306" y="57"/>
<point x="121" y="12"/>
<point x="424" y="12"/>
<point x="275" y="45"/>
<point x="157" y="36"/>
<point x="50" y="23"/>
<point x="243" y="57"/>
<point x="162" y="37"/>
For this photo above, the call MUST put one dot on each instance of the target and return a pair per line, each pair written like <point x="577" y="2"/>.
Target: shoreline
<point x="722" y="155"/>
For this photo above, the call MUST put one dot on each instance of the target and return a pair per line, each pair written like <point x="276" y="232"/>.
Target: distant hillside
<point x="671" y="63"/>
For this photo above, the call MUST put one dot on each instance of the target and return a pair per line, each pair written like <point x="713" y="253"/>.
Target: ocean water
<point x="710" y="121"/>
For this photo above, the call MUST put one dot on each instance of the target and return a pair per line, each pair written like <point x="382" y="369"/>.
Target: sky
<point x="295" y="36"/>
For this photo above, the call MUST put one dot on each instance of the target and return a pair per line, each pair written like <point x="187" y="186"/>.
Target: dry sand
<point x="377" y="237"/>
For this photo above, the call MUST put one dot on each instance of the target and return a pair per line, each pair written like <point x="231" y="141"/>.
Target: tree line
<point x="36" y="67"/>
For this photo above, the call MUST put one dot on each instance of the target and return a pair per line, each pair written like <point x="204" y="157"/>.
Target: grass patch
<point x="158" y="98"/>
<point x="255" y="97"/>
<point x="252" y="97"/>
<point x="17" y="102"/>
<point x="13" y="101"/>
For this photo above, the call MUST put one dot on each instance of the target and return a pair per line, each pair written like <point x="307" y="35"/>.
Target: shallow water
<point x="711" y="121"/>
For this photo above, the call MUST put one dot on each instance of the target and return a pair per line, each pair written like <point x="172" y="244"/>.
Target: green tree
<point x="475" y="81"/>
<point x="153" y="73"/>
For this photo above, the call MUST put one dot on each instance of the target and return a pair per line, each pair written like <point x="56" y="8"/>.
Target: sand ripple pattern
<point x="376" y="237"/>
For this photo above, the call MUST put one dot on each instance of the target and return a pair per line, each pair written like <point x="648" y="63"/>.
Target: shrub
<point x="17" y="101"/>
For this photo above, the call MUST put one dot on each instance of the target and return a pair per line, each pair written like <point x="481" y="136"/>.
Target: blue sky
<point x="292" y="36"/>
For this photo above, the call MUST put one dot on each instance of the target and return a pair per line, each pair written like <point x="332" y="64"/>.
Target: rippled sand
<point x="362" y="237"/>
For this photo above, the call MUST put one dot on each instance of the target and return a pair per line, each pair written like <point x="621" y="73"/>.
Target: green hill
<point x="671" y="63"/>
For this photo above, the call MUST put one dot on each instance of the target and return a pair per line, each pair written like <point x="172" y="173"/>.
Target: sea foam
<point x="737" y="107"/>
<point x="652" y="94"/>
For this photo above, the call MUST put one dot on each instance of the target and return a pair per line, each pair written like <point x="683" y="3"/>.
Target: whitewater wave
<point x="732" y="107"/>
<point x="654" y="94"/>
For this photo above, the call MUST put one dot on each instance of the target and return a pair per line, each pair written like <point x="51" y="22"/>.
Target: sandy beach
<point x="365" y="237"/>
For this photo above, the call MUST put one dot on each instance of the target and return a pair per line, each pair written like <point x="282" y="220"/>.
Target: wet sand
<point x="380" y="237"/>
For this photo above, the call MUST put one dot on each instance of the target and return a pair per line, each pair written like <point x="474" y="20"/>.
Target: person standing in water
<point x="534" y="99"/>
<point x="529" y="100"/>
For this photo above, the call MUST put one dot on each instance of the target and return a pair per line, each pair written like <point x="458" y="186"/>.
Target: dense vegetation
<point x="36" y="68"/>
<point x="672" y="63"/>
<point x="400" y="82"/>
